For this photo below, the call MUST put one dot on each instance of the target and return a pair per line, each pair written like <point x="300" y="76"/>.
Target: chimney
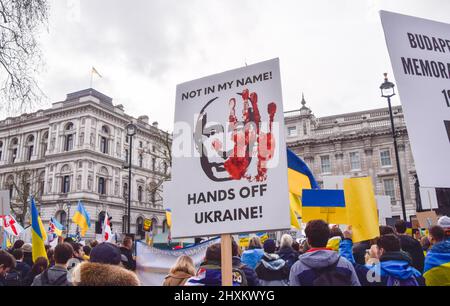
<point x="143" y="118"/>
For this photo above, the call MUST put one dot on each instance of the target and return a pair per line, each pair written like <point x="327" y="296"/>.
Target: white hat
<point x="444" y="222"/>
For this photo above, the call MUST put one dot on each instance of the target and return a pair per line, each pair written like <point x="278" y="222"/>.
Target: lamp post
<point x="131" y="131"/>
<point x="388" y="91"/>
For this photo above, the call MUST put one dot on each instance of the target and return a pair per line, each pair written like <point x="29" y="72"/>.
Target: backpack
<point x="239" y="278"/>
<point x="329" y="276"/>
<point x="392" y="281"/>
<point x="45" y="281"/>
<point x="13" y="278"/>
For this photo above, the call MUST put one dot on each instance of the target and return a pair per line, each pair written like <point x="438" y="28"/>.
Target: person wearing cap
<point x="104" y="269"/>
<point x="27" y="256"/>
<point x="272" y="270"/>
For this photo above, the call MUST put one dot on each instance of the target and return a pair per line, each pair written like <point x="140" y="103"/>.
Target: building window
<point x="103" y="145"/>
<point x="126" y="139"/>
<point x="140" y="227"/>
<point x="101" y="185"/>
<point x="140" y="160"/>
<point x="325" y="164"/>
<point x="69" y="126"/>
<point x="153" y="197"/>
<point x="68" y="145"/>
<point x="153" y="149"/>
<point x="126" y="156"/>
<point x="153" y="163"/>
<point x="125" y="190"/>
<point x="140" y="144"/>
<point x="61" y="217"/>
<point x="305" y="130"/>
<point x="66" y="184"/>
<point x="30" y="152"/>
<point x="165" y="168"/>
<point x="389" y="189"/>
<point x="140" y="193"/>
<point x="355" y="162"/>
<point x="292" y="131"/>
<point x="1" y="149"/>
<point x="14" y="155"/>
<point x="385" y="156"/>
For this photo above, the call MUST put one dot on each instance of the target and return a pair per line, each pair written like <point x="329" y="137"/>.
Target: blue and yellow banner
<point x="81" y="218"/>
<point x="38" y="235"/>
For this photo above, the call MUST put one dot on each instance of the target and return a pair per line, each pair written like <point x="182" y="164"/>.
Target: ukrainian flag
<point x="38" y="235"/>
<point x="81" y="218"/>
<point x="437" y="265"/>
<point x="299" y="178"/>
<point x="169" y="217"/>
<point x="6" y="243"/>
<point x="56" y="227"/>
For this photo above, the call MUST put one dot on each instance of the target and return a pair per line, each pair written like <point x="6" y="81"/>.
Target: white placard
<point x="384" y="208"/>
<point x="428" y="198"/>
<point x="334" y="182"/>
<point x="5" y="209"/>
<point x="420" y="55"/>
<point x="229" y="171"/>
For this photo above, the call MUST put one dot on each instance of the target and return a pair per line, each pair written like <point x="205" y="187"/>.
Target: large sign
<point x="420" y="55"/>
<point x="229" y="171"/>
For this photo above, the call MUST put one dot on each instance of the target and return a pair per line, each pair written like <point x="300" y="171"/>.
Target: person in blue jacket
<point x="254" y="253"/>
<point x="393" y="269"/>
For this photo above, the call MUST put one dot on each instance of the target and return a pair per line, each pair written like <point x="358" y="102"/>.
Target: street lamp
<point x="388" y="91"/>
<point x="131" y="131"/>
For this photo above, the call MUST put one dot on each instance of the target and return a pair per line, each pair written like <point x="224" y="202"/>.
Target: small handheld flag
<point x="107" y="232"/>
<point x="55" y="227"/>
<point x="11" y="226"/>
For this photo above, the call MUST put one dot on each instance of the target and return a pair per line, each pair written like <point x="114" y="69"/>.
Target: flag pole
<point x="226" y="262"/>
<point x="92" y="74"/>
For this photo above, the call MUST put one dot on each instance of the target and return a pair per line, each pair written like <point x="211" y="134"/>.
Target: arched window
<point x="99" y="223"/>
<point x="61" y="217"/>
<point x="69" y="126"/>
<point x="105" y="130"/>
<point x="140" y="227"/>
<point x="141" y="159"/>
<point x="14" y="145"/>
<point x="101" y="185"/>
<point x="140" y="193"/>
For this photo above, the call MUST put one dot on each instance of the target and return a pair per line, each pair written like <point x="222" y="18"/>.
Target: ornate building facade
<point x="77" y="150"/>
<point x="356" y="144"/>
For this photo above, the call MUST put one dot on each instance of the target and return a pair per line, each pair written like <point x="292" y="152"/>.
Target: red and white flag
<point x="107" y="232"/>
<point x="10" y="225"/>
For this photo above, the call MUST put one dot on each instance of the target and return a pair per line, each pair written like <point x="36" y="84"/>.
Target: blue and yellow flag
<point x="299" y="178"/>
<point x="55" y="227"/>
<point x="6" y="243"/>
<point x="437" y="265"/>
<point x="81" y="218"/>
<point x="38" y="235"/>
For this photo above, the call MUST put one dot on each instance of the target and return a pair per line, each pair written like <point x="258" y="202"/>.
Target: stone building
<point x="356" y="144"/>
<point x="76" y="150"/>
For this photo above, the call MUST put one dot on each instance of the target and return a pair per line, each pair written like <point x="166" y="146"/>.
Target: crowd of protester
<point x="70" y="264"/>
<point x="328" y="257"/>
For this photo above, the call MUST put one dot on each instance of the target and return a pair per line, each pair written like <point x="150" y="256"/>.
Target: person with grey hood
<point x="271" y="269"/>
<point x="321" y="266"/>
<point x="58" y="274"/>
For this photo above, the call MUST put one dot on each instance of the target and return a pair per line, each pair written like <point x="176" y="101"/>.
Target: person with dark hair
<point x="296" y="246"/>
<point x="77" y="257"/>
<point x="210" y="273"/>
<point x="254" y="252"/>
<point x="7" y="262"/>
<point x="38" y="267"/>
<point x="18" y="244"/>
<point x="320" y="266"/>
<point x="17" y="276"/>
<point x="394" y="267"/>
<point x="51" y="257"/>
<point x="437" y="261"/>
<point x="250" y="275"/>
<point x="58" y="274"/>
<point x="272" y="270"/>
<point x="27" y="256"/>
<point x="127" y="253"/>
<point x="386" y="230"/>
<point x="410" y="245"/>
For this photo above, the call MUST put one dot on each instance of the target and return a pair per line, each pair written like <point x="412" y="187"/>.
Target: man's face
<point x="3" y="270"/>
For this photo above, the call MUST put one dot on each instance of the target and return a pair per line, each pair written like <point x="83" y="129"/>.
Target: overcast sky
<point x="333" y="51"/>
